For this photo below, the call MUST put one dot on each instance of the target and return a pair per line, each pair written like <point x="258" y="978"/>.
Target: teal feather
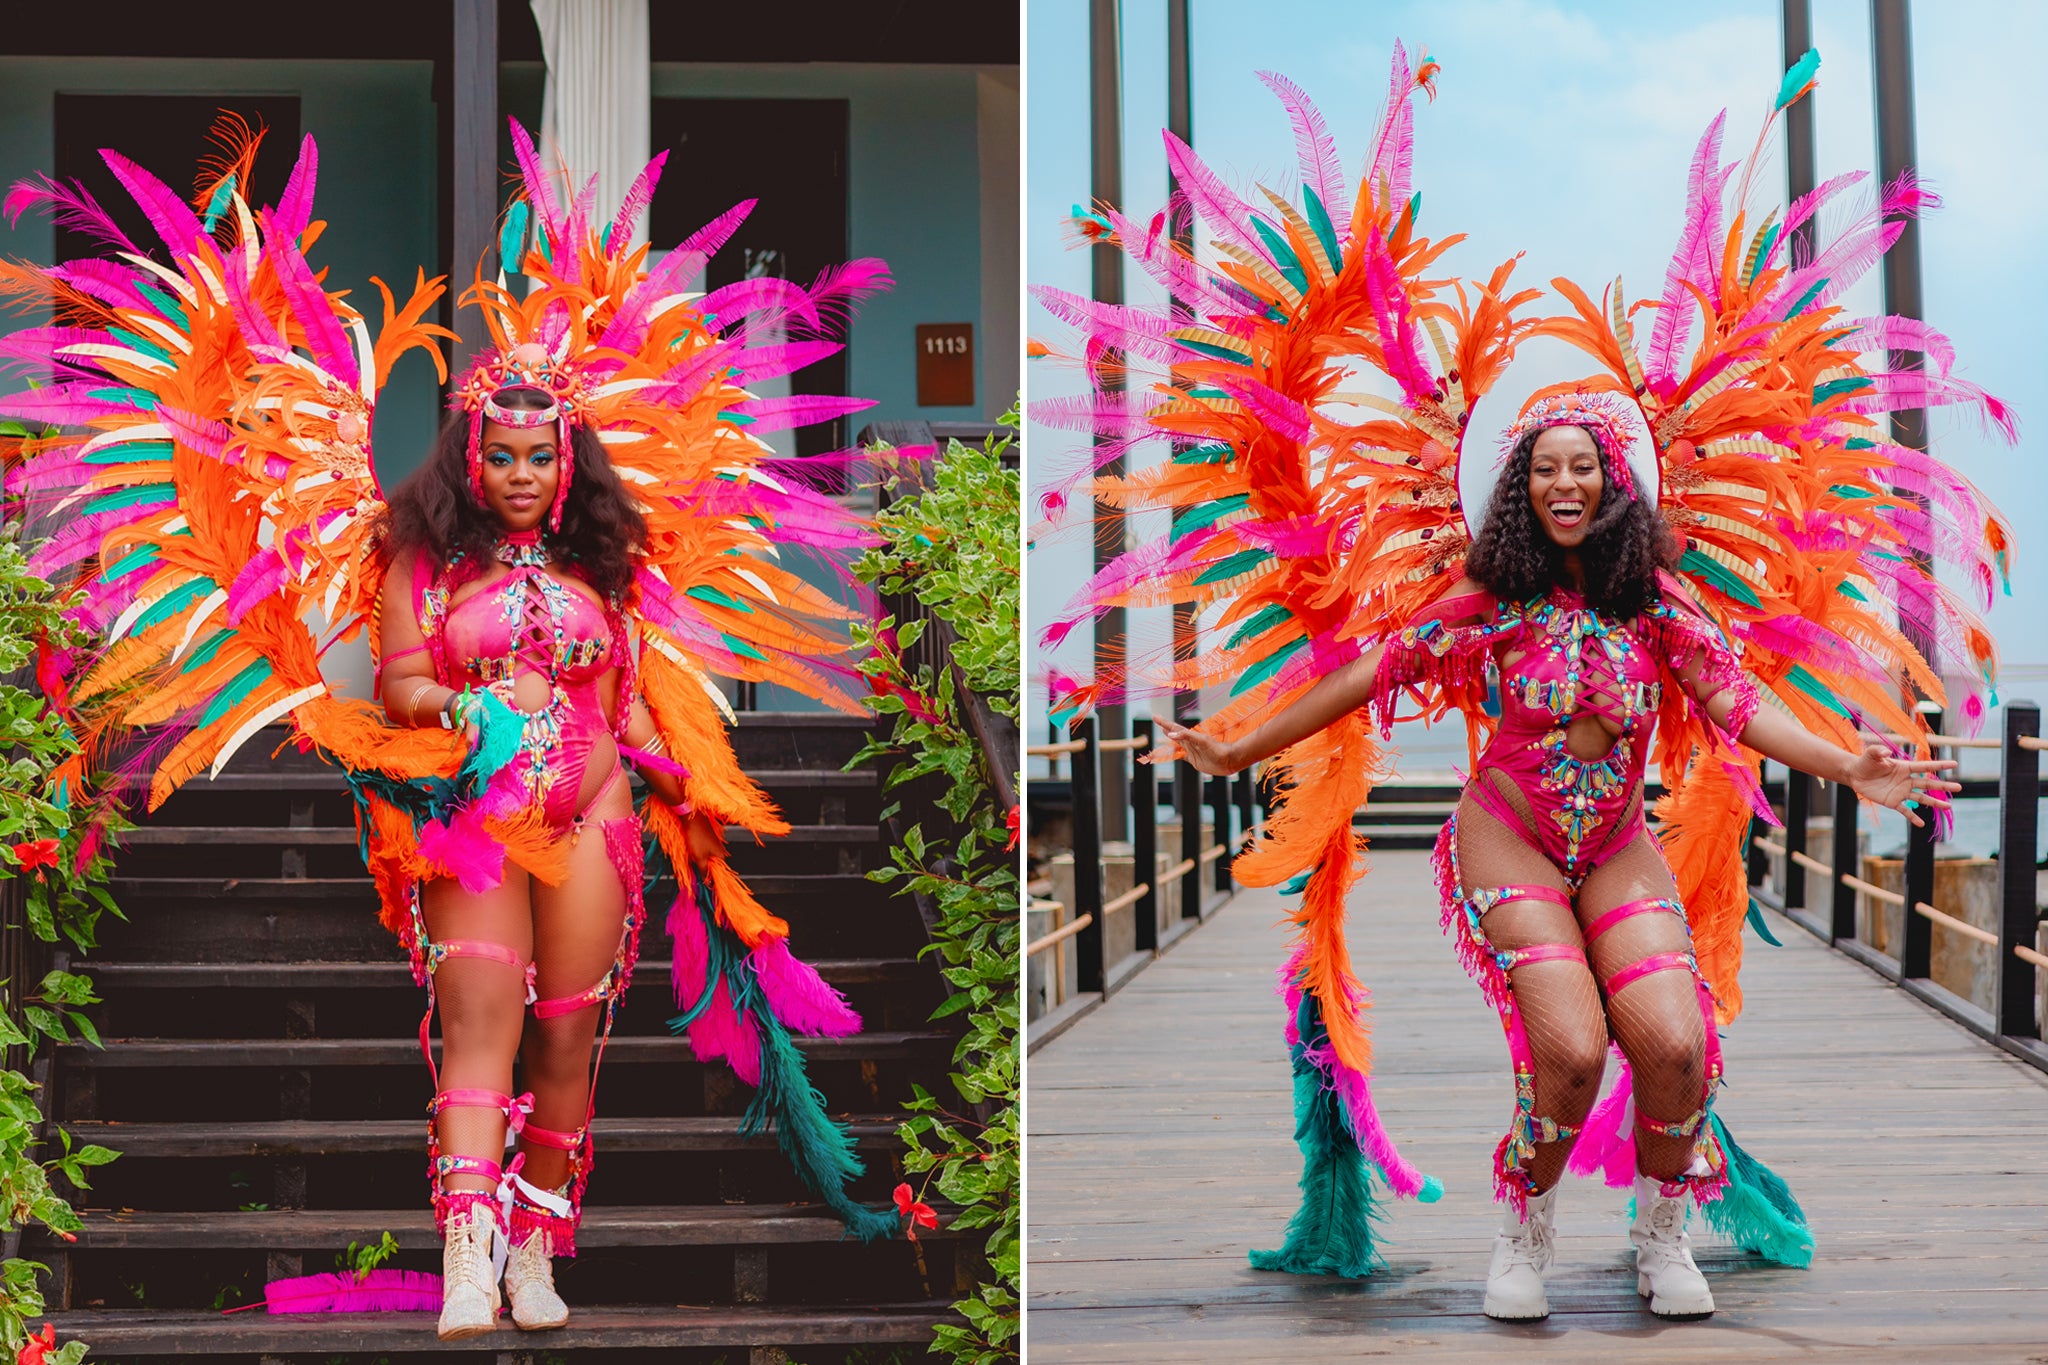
<point x="512" y="237"/>
<point x="1259" y="622"/>
<point x="172" y="602"/>
<point x="1854" y="383"/>
<point x="166" y="306"/>
<point x="1770" y="244"/>
<point x="1202" y="455"/>
<point x="741" y="647"/>
<point x="1244" y="561"/>
<point x="1808" y="297"/>
<point x="1796" y="79"/>
<point x="218" y="205"/>
<point x="1268" y="666"/>
<point x="1204" y="515"/>
<point x="1755" y="918"/>
<point x="1333" y="1231"/>
<point x="1719" y="575"/>
<point x="502" y="730"/>
<point x="821" y="1150"/>
<point x="127" y="563"/>
<point x="135" y="341"/>
<point x="131" y="452"/>
<point x="1284" y="259"/>
<point x="141" y="399"/>
<point x="1811" y="686"/>
<point x="1325" y="230"/>
<point x="705" y="593"/>
<point x="1756" y="1210"/>
<point x="238" y="689"/>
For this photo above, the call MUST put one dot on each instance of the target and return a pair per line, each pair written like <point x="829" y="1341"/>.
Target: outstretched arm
<point x="1878" y="776"/>
<point x="1333" y="696"/>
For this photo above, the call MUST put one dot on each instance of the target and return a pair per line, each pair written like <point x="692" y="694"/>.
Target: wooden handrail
<point x="1059" y="935"/>
<point x="1071" y="746"/>
<point x="2026" y="954"/>
<point x="2032" y="742"/>
<point x="1967" y="930"/>
<point x="1111" y="746"/>
<point x="1875" y="892"/>
<point x="1179" y="869"/>
<point x="1210" y="855"/>
<point x="1127" y="899"/>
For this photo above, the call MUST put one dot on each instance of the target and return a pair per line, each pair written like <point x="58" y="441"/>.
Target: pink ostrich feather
<point x="69" y="206"/>
<point x="1607" y="1144"/>
<point x="295" y="205"/>
<point x="380" y="1291"/>
<point x="1353" y="1089"/>
<point x="638" y="197"/>
<point x="1702" y="225"/>
<point x="800" y="997"/>
<point x="797" y="410"/>
<point x="308" y="302"/>
<point x="539" y="186"/>
<point x="169" y="214"/>
<point x="1133" y="330"/>
<point x="1321" y="168"/>
<point x="465" y="851"/>
<point x="720" y="1031"/>
<point x="1393" y="152"/>
<point x="1211" y="199"/>
<point x="757" y="363"/>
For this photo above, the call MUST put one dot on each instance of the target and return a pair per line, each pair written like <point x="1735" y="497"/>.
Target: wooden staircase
<point x="262" y="1079"/>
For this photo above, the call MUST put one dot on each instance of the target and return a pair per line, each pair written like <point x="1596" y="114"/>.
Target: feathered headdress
<point x="1603" y="417"/>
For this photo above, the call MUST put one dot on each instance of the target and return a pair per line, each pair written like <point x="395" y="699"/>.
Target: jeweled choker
<point x="522" y="550"/>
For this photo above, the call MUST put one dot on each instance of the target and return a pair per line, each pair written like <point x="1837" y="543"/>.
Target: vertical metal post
<point x="1187" y="791"/>
<point x="1891" y="60"/>
<point x="1759" y="861"/>
<point x="1799" y="145"/>
<point x="1106" y="186"/>
<point x="1145" y="839"/>
<point x="1798" y="800"/>
<point x="1842" y="924"/>
<point x="1180" y="121"/>
<point x="2019" y="805"/>
<point x="1088" y="863"/>
<point x="472" y="168"/>
<point x="1219" y="807"/>
<point x="1916" y="947"/>
<point x="1245" y="822"/>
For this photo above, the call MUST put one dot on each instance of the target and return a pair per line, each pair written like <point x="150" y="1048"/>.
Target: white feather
<point x="215" y="600"/>
<point x="261" y="719"/>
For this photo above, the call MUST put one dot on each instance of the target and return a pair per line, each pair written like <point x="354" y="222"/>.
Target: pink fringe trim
<point x="526" y="1222"/>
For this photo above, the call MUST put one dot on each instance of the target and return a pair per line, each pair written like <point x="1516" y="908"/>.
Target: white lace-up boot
<point x="530" y="1285"/>
<point x="1665" y="1273"/>
<point x="469" y="1284"/>
<point x="1522" y="1254"/>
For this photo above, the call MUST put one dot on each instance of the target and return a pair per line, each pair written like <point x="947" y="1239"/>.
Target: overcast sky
<point x="1563" y="130"/>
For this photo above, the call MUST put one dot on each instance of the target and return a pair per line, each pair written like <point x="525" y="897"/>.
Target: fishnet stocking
<point x="1655" y="1018"/>
<point x="1559" y="1004"/>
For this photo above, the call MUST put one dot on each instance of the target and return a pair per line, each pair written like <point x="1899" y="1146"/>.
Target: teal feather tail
<point x="1796" y="79"/>
<point x="1333" y="1231"/>
<point x="821" y="1150"/>
<point x="1756" y="1210"/>
<point x="503" y="729"/>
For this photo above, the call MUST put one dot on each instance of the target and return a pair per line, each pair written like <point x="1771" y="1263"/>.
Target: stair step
<point x="376" y="1137"/>
<point x="331" y="780"/>
<point x="397" y="974"/>
<point x="359" y="889"/>
<point x="324" y="1229"/>
<point x="270" y="836"/>
<point x="136" y="1053"/>
<point x="665" y="1326"/>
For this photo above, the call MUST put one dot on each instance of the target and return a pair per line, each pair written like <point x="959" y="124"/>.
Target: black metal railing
<point x="2013" y="1020"/>
<point x="1226" y="809"/>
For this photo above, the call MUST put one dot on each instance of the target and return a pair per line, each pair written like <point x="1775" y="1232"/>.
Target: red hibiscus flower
<point x="36" y="853"/>
<point x="36" y="1348"/>
<point x="1014" y="822"/>
<point x="916" y="1215"/>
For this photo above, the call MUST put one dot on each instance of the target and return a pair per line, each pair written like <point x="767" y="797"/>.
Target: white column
<point x="998" y="127"/>
<point x="594" y="110"/>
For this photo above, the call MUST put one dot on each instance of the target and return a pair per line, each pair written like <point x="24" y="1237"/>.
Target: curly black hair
<point x="1626" y="545"/>
<point x="433" y="510"/>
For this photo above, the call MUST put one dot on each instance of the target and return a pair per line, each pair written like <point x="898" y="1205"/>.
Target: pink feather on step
<point x="381" y="1291"/>
<point x="1321" y="169"/>
<point x="800" y="997"/>
<point x="465" y="851"/>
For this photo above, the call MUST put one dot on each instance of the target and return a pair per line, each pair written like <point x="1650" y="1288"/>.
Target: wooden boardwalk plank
<point x="1161" y="1151"/>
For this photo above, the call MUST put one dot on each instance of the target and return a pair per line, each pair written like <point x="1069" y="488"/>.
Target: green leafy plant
<point x="953" y="547"/>
<point x="362" y="1258"/>
<point x="56" y="838"/>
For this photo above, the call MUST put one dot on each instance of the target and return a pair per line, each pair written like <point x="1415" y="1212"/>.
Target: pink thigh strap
<point x="1488" y="897"/>
<point x="549" y="1137"/>
<point x="1656" y="962"/>
<point x="445" y="1166"/>
<point x="1622" y="912"/>
<point x="569" y="1004"/>
<point x="1510" y="958"/>
<point x="514" y="1110"/>
<point x="437" y="953"/>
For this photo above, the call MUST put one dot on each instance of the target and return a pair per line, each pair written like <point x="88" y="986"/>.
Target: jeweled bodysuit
<point x="1559" y="660"/>
<point x="530" y="624"/>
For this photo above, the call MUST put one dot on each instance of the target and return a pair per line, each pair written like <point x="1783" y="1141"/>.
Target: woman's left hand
<point x="1901" y="784"/>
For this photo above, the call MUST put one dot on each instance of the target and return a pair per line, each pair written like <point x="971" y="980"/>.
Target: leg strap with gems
<point x="444" y="1165"/>
<point x="554" y="1212"/>
<point x="1490" y="967"/>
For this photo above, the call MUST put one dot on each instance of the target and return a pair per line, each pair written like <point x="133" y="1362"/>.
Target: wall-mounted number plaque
<point x="945" y="365"/>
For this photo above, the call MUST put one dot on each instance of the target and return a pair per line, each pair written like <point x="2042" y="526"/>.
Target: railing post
<point x="1187" y="793"/>
<point x="1219" y="807"/>
<point x="1798" y="801"/>
<point x="1759" y="828"/>
<point x="1916" y="947"/>
<point x="1145" y="838"/>
<point x="1088" y="942"/>
<point x="1842" y="924"/>
<point x="2019" y="798"/>
<point x="1245" y="820"/>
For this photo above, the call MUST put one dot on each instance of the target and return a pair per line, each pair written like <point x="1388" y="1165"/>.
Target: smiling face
<point x="520" y="474"/>
<point x="1565" y="483"/>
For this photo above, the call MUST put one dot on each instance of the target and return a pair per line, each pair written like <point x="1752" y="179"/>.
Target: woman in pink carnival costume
<point x="1725" y="599"/>
<point x="593" y="535"/>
